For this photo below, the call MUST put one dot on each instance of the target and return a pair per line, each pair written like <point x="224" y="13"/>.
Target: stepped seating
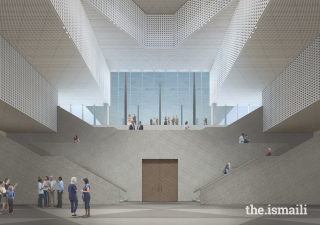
<point x="28" y="166"/>
<point x="292" y="178"/>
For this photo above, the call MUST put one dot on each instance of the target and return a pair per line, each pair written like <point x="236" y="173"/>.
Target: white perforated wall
<point x="25" y="89"/>
<point x="195" y="14"/>
<point x="242" y="24"/>
<point x="77" y="24"/>
<point x="159" y="30"/>
<point x="297" y="87"/>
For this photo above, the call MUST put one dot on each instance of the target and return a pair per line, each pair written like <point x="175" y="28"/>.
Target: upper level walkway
<point x="161" y="127"/>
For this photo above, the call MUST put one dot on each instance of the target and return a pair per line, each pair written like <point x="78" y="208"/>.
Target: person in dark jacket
<point x="140" y="126"/>
<point x="132" y="126"/>
<point x="72" y="189"/>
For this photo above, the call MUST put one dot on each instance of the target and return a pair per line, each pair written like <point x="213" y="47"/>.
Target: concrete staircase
<point x="292" y="178"/>
<point x="23" y="166"/>
<point x="116" y="155"/>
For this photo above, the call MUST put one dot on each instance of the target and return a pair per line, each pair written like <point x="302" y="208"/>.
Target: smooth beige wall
<point x="3" y="133"/>
<point x="316" y="133"/>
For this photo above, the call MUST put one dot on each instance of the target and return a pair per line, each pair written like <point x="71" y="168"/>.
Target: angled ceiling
<point x="284" y="30"/>
<point x="35" y="30"/>
<point x="160" y="6"/>
<point x="124" y="53"/>
<point x="159" y="31"/>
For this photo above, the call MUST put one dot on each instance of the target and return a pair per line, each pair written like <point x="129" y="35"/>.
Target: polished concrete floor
<point x="153" y="213"/>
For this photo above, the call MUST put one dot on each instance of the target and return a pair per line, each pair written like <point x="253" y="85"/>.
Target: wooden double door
<point x="160" y="180"/>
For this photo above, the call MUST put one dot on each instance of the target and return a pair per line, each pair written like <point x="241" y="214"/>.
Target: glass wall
<point x="227" y="115"/>
<point x="116" y="111"/>
<point x="143" y="90"/>
<point x="177" y="96"/>
<point x="142" y="96"/>
<point x="203" y="109"/>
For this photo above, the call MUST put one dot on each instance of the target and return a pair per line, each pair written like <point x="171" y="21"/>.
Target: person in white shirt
<point x="241" y="138"/>
<point x="186" y="127"/>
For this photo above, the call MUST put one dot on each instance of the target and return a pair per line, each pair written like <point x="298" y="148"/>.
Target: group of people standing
<point x="7" y="193"/>
<point x="155" y="121"/>
<point x="174" y="120"/>
<point x="47" y="190"/>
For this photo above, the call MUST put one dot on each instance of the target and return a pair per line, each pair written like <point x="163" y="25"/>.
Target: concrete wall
<point x="23" y="166"/>
<point x="116" y="155"/>
<point x="3" y="133"/>
<point x="292" y="178"/>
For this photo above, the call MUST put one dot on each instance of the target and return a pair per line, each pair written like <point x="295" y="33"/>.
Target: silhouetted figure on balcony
<point x="134" y="118"/>
<point x="150" y="121"/>
<point x="269" y="152"/>
<point x="129" y="119"/>
<point x="154" y="121"/>
<point x="169" y="120"/>
<point x="157" y="121"/>
<point x="186" y="126"/>
<point x="140" y="126"/>
<point x="177" y="120"/>
<point x="132" y="126"/>
<point x="165" y="121"/>
<point x="173" y="120"/>
<point x="205" y="121"/>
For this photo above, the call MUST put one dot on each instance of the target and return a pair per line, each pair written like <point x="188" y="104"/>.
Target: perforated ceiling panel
<point x="159" y="30"/>
<point x="194" y="14"/>
<point x="25" y="89"/>
<point x="77" y="24"/>
<point x="241" y="27"/>
<point x="294" y="89"/>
